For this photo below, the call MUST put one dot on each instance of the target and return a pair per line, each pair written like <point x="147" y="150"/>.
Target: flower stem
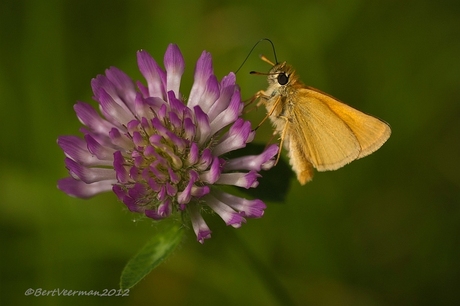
<point x="269" y="279"/>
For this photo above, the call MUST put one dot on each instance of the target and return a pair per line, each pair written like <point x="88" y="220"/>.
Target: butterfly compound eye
<point x="282" y="78"/>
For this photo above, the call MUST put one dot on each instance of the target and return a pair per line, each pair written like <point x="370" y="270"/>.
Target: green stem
<point x="266" y="275"/>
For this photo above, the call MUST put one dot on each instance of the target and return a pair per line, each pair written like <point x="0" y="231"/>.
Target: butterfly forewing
<point x="370" y="132"/>
<point x="327" y="142"/>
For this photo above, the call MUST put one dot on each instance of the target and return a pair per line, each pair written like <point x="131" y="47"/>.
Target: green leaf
<point x="274" y="183"/>
<point x="151" y="255"/>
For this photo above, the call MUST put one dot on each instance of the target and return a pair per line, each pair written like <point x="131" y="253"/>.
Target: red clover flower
<point x="160" y="153"/>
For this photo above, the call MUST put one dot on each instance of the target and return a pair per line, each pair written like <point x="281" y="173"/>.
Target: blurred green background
<point x="384" y="230"/>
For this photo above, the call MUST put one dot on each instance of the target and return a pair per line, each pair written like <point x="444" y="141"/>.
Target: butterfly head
<point x="280" y="77"/>
<point x="282" y="74"/>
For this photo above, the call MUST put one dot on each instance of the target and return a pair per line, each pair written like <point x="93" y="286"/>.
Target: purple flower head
<point x="162" y="155"/>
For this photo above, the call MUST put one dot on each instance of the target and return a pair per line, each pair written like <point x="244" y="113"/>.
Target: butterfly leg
<point x="259" y="95"/>
<point x="278" y="99"/>
<point x="283" y="135"/>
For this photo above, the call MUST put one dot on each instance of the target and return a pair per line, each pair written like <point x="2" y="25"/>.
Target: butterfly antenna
<point x="252" y="49"/>
<point x="273" y="47"/>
